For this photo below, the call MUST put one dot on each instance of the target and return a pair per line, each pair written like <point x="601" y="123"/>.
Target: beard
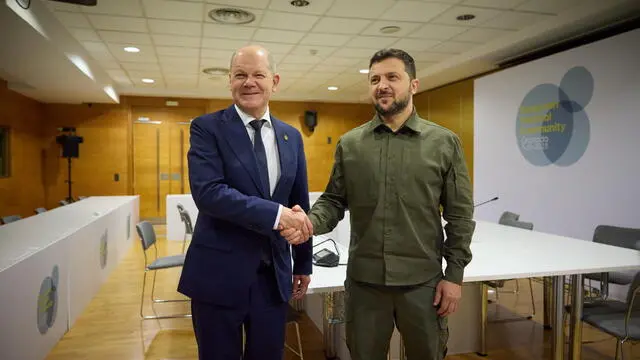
<point x="397" y="106"/>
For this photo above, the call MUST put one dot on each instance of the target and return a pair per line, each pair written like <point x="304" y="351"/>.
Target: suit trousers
<point x="372" y="312"/>
<point x="219" y="329"/>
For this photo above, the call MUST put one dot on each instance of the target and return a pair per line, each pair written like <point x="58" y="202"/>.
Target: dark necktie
<point x="261" y="157"/>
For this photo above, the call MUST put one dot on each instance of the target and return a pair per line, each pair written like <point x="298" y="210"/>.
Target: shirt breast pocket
<point x="361" y="175"/>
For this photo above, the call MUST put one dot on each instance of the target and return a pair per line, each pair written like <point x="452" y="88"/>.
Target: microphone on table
<point x="485" y="202"/>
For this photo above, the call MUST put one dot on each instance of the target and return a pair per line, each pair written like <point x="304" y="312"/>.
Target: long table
<point x="51" y="266"/>
<point x="499" y="253"/>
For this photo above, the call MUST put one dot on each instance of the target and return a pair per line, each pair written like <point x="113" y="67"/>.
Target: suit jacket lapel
<point x="285" y="152"/>
<point x="240" y="143"/>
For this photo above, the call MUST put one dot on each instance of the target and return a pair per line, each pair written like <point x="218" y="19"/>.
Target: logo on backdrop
<point x="552" y="125"/>
<point x="104" y="250"/>
<point x="48" y="301"/>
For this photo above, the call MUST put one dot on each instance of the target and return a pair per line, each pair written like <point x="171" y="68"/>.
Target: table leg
<point x="575" y="340"/>
<point x="402" y="354"/>
<point x="484" y="298"/>
<point x="547" y="300"/>
<point x="557" y="340"/>
<point x="332" y="314"/>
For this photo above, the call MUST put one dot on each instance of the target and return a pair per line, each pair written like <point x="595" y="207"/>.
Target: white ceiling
<point x="323" y="44"/>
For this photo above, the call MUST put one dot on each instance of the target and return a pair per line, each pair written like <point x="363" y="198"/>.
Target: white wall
<point x="573" y="195"/>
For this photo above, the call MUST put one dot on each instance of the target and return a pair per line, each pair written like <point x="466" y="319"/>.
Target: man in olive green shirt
<point x="394" y="174"/>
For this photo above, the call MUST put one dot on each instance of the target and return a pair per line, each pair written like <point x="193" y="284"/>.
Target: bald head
<point x="256" y="52"/>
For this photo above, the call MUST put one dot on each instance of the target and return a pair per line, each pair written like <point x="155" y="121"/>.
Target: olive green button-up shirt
<point x="393" y="184"/>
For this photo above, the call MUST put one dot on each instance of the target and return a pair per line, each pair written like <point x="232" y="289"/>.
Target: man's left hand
<point x="300" y="285"/>
<point x="447" y="297"/>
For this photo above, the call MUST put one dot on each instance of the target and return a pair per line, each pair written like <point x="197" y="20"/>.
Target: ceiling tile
<point x="148" y="55"/>
<point x="366" y="9"/>
<point x="331" y="69"/>
<point x="110" y="65"/>
<point x="97" y="47"/>
<point x="430" y="56"/>
<point x="288" y="21"/>
<point x="405" y="28"/>
<point x="125" y="37"/>
<point x="255" y="4"/>
<point x="140" y="66"/>
<point x="228" y="31"/>
<point x="354" y="53"/>
<point x="315" y="7"/>
<point x="290" y="37"/>
<point x="119" y="76"/>
<point x="453" y="47"/>
<point x="175" y="40"/>
<point x="482" y="15"/>
<point x="178" y="51"/>
<point x="480" y="35"/>
<point x="516" y="20"/>
<point x="217" y="54"/>
<point x="277" y="48"/>
<point x="438" y="32"/>
<point x="136" y="75"/>
<point x="84" y="34"/>
<point x="414" y="11"/>
<point x="301" y="59"/>
<point x="295" y="67"/>
<point x="115" y="7"/>
<point x="174" y="27"/>
<point x="168" y="61"/>
<point x="339" y="61"/>
<point x="497" y="4"/>
<point x="59" y="6"/>
<point x="73" y="19"/>
<point x="320" y="51"/>
<point x="118" y="23"/>
<point x="223" y="44"/>
<point x="548" y="6"/>
<point x="371" y="42"/>
<point x="411" y="45"/>
<point x="176" y="10"/>
<point x="325" y="39"/>
<point x="331" y="25"/>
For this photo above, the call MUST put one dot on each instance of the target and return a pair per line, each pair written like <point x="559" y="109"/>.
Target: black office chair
<point x="40" y="210"/>
<point x="188" y="225"/>
<point x="10" y="218"/>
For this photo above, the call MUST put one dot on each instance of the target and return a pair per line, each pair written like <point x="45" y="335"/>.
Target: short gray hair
<point x="270" y="59"/>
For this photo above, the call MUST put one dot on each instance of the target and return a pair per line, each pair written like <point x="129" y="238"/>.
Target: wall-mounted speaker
<point x="311" y="119"/>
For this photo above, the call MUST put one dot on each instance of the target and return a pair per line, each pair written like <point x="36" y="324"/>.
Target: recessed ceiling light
<point x="389" y="29"/>
<point x="216" y="71"/>
<point x="332" y="88"/>
<point x="364" y="71"/>
<point x="148" y="81"/>
<point x="132" y="49"/>
<point x="231" y="16"/>
<point x="300" y="3"/>
<point x="465" y="17"/>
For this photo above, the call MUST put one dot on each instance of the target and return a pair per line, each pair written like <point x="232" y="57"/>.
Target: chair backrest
<point x="81" y="197"/>
<point x="618" y="236"/>
<point x="146" y="233"/>
<point x="10" y="218"/>
<point x="40" y="210"/>
<point x="186" y="219"/>
<point x="63" y="202"/>
<point x="631" y="302"/>
<point x="508" y="217"/>
<point x="512" y="219"/>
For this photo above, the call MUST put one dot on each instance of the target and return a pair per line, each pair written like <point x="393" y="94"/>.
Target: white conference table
<point x="54" y="263"/>
<point x="502" y="252"/>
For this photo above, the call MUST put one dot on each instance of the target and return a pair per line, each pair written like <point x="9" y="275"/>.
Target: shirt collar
<point x="246" y="118"/>
<point x="412" y="124"/>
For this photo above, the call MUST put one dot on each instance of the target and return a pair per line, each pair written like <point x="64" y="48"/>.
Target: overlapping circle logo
<point x="552" y="125"/>
<point x="48" y="301"/>
<point x="104" y="249"/>
<point x="128" y="226"/>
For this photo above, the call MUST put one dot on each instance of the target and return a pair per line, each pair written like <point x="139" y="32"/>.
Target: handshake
<point x="295" y="225"/>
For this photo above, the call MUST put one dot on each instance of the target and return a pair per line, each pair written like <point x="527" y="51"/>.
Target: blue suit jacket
<point x="235" y="216"/>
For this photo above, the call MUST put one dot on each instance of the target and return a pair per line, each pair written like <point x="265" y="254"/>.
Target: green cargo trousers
<point x="372" y="311"/>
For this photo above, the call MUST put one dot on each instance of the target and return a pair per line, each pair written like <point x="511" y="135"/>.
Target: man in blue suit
<point x="248" y="177"/>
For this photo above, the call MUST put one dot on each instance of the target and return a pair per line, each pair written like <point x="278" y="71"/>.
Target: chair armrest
<point x="630" y="310"/>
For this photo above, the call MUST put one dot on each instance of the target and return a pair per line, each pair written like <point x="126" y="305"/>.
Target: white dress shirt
<point x="270" y="146"/>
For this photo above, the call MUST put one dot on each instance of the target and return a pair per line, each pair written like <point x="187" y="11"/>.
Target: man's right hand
<point x="295" y="226"/>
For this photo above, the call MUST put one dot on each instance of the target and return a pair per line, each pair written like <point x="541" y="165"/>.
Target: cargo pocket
<point x="443" y="325"/>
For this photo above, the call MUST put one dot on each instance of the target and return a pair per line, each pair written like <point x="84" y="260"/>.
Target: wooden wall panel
<point x="452" y="107"/>
<point x="104" y="153"/>
<point x="22" y="192"/>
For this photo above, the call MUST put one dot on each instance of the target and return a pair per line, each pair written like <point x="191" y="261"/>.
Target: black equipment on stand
<point x="70" y="149"/>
